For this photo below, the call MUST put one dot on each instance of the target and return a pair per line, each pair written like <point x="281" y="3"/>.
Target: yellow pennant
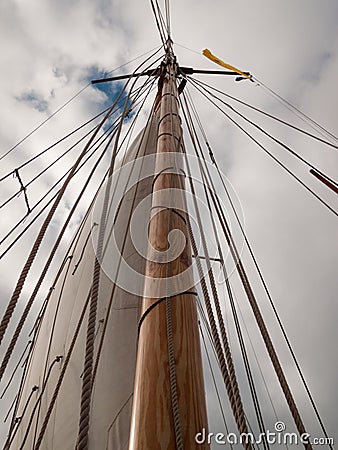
<point x="214" y="58"/>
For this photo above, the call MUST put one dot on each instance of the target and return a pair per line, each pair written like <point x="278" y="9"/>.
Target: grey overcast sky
<point x="50" y="49"/>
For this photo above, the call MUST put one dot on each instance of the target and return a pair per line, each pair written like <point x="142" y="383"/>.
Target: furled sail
<point x="65" y="321"/>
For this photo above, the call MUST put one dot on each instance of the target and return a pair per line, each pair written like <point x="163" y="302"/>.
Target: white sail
<point x="114" y="381"/>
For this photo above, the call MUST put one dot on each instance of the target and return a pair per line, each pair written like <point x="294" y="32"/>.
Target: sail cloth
<point x="112" y="394"/>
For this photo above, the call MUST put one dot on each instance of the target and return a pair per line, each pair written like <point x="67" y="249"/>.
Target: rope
<point x="53" y="145"/>
<point x="50" y="190"/>
<point x="15" y="369"/>
<point x="172" y="377"/>
<point x="260" y="273"/>
<point x="61" y="376"/>
<point x="157" y="302"/>
<point x="17" y="420"/>
<point x="73" y="97"/>
<point x="84" y="248"/>
<point x="214" y="380"/>
<point x="45" y="270"/>
<point x="272" y="156"/>
<point x="100" y="346"/>
<point x="56" y="360"/>
<point x="277" y="119"/>
<point x="286" y="147"/>
<point x="22" y="189"/>
<point x="241" y="424"/>
<point x="260" y="322"/>
<point x="238" y="406"/>
<point x="194" y="136"/>
<point x="87" y="381"/>
<point x="171" y="89"/>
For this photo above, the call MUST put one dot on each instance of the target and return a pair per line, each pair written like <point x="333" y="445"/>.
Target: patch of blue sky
<point x="112" y="91"/>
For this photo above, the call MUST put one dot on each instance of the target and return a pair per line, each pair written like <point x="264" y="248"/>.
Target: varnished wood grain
<point x="152" y="421"/>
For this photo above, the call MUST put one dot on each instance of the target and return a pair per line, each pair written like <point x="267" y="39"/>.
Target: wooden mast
<point x="169" y="401"/>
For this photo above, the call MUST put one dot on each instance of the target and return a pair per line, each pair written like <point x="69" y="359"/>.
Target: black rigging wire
<point x="53" y="145"/>
<point x="286" y="147"/>
<point x="159" y="21"/>
<point x="71" y="99"/>
<point x="294" y="358"/>
<point x="312" y="123"/>
<point x="59" y="157"/>
<point x="110" y="130"/>
<point x="267" y="151"/>
<point x="254" y="108"/>
<point x="213" y="376"/>
<point x="206" y="186"/>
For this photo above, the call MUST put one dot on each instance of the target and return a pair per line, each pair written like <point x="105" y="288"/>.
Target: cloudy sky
<point x="50" y="50"/>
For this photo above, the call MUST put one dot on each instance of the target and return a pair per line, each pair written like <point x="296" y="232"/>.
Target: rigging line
<point x="61" y="376"/>
<point x="102" y="137"/>
<point x="270" y="154"/>
<point x="15" y="369"/>
<point x="84" y="247"/>
<point x="155" y="50"/>
<point x="87" y="381"/>
<point x="100" y="345"/>
<point x="167" y="13"/>
<point x="56" y="360"/>
<point x="40" y="201"/>
<point x="270" y="300"/>
<point x="219" y="350"/>
<point x="232" y="373"/>
<point x="294" y="109"/>
<point x="214" y="380"/>
<point x="47" y="265"/>
<point x="22" y="189"/>
<point x="260" y="321"/>
<point x="192" y="129"/>
<point x="68" y="101"/>
<point x="278" y="119"/>
<point x="18" y="419"/>
<point x="41" y="211"/>
<point x="244" y="355"/>
<point x="259" y="318"/>
<point x="44" y="375"/>
<point x="53" y="145"/>
<point x="18" y="398"/>
<point x="187" y="48"/>
<point x="286" y="147"/>
<point x="17" y="291"/>
<point x="268" y="295"/>
<point x="74" y="242"/>
<point x="44" y="121"/>
<point x="68" y="150"/>
<point x="131" y="127"/>
<point x="173" y="109"/>
<point x="10" y="409"/>
<point x="161" y="18"/>
<point x="255" y="354"/>
<point x="207" y="328"/>
<point x="13" y="196"/>
<point x="158" y="24"/>
<point x="118" y="150"/>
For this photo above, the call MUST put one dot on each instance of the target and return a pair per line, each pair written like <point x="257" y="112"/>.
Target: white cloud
<point x="47" y="49"/>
